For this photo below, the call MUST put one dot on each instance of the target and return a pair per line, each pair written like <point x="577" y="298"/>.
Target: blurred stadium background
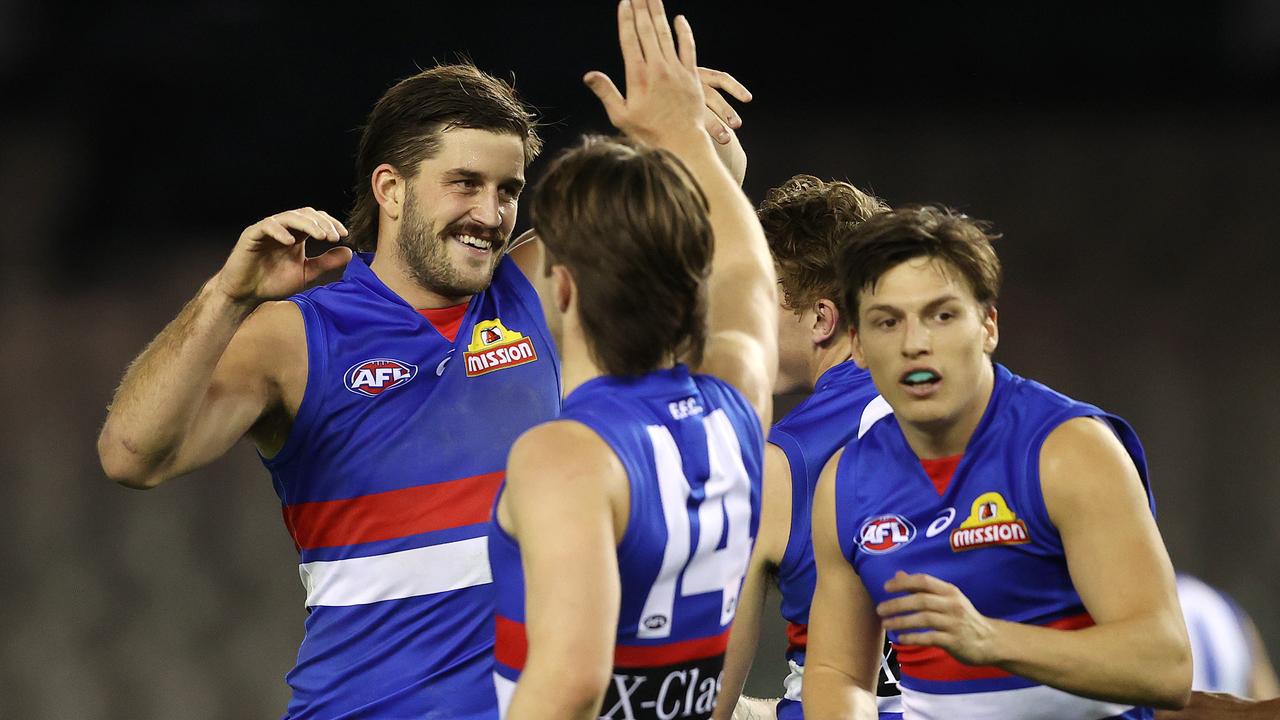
<point x="1130" y="154"/>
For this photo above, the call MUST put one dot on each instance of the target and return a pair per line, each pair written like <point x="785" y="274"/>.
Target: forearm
<point x="743" y="641"/>
<point x="830" y="694"/>
<point x="163" y="388"/>
<point x="1135" y="661"/>
<point x="554" y="693"/>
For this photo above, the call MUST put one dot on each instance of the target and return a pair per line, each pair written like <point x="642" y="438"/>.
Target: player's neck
<point x="576" y="363"/>
<point x="950" y="436"/>
<point x="393" y="273"/>
<point x="826" y="356"/>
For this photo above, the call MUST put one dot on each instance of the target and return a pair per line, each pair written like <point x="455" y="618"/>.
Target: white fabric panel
<point x="408" y="573"/>
<point x="1039" y="702"/>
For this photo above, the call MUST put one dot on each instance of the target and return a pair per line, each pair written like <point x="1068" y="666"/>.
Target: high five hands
<point x="668" y="95"/>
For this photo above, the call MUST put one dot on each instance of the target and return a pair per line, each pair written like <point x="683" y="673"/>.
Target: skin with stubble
<point x="451" y="221"/>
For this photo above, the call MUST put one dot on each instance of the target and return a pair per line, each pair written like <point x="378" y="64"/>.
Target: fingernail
<point x="723" y="137"/>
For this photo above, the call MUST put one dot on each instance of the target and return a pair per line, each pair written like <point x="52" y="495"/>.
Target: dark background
<point x="1129" y="154"/>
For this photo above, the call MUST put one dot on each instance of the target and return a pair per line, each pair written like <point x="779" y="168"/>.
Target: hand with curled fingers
<point x="665" y="100"/>
<point x="720" y="119"/>
<point x="935" y="613"/>
<point x="269" y="260"/>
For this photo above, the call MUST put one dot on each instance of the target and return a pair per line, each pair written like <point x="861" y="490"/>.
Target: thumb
<point x="607" y="93"/>
<point x="330" y="260"/>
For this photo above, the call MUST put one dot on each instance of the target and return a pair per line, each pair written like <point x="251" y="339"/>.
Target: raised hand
<point x="720" y="119"/>
<point x="665" y="100"/>
<point x="269" y="261"/>
<point x="937" y="614"/>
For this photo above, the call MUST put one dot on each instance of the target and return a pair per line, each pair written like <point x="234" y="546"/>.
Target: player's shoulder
<point x="560" y="447"/>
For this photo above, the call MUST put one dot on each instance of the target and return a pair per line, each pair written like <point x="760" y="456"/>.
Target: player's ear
<point x="826" y="321"/>
<point x="991" y="330"/>
<point x="389" y="188"/>
<point x="563" y="287"/>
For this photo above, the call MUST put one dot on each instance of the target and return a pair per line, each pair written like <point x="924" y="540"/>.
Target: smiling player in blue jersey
<point x="1001" y="533"/>
<point x="623" y="531"/>
<point x="383" y="404"/>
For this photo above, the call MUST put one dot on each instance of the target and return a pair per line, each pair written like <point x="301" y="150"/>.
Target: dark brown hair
<point x="631" y="225"/>
<point x="405" y="125"/>
<point x="885" y="241"/>
<point x="807" y="221"/>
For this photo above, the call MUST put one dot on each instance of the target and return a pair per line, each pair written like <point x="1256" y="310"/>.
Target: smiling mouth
<point x="474" y="242"/>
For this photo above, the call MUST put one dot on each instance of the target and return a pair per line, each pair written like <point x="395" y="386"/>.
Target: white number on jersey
<point x="727" y="500"/>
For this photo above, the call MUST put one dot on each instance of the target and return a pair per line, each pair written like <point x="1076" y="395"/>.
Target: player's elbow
<point x="124" y="465"/>
<point x="575" y="694"/>
<point x="1171" y="683"/>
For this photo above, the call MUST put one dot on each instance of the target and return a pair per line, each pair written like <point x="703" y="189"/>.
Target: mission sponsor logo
<point x="885" y="533"/>
<point x="990" y="522"/>
<point x="494" y="347"/>
<point x="373" y="377"/>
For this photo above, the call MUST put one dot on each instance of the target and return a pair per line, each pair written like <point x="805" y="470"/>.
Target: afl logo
<point x="885" y="533"/>
<point x="374" y="377"/>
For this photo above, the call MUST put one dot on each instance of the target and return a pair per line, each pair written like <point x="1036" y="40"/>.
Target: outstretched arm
<point x="664" y="107"/>
<point x="1137" y="651"/>
<point x="842" y="661"/>
<point x="215" y="370"/>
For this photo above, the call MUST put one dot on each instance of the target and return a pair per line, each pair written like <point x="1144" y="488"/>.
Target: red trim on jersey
<point x="445" y="320"/>
<point x="512" y="648"/>
<point x="512" y="645"/>
<point x="642" y="656"/>
<point x="393" y="514"/>
<point x="797" y="636"/>
<point x="940" y="470"/>
<point x="934" y="663"/>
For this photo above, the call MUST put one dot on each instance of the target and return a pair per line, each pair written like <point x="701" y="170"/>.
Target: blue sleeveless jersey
<point x="809" y="435"/>
<point x="387" y="481"/>
<point x="691" y="447"/>
<point x="988" y="533"/>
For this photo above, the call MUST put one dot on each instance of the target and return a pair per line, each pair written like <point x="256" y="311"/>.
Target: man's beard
<point x="426" y="257"/>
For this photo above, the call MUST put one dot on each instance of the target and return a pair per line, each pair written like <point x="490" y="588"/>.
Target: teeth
<point x="474" y="242"/>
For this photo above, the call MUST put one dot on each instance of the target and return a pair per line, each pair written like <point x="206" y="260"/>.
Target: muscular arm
<point x="771" y="543"/>
<point x="843" y="657"/>
<point x="1137" y="652"/>
<point x="565" y="491"/>
<point x="664" y="107"/>
<point x="221" y="368"/>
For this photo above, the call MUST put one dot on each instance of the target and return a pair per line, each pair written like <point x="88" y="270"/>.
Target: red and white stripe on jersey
<point x="394" y="513"/>
<point x="432" y="568"/>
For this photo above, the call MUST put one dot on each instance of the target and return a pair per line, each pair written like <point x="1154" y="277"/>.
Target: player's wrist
<point x="223" y="302"/>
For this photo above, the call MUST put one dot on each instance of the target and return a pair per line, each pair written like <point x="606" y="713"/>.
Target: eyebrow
<point x="931" y="305"/>
<point x="514" y="183"/>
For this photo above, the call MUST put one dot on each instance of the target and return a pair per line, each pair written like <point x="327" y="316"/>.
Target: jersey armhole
<point x="801" y="500"/>
<point x="844" y="487"/>
<point x="312" y="394"/>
